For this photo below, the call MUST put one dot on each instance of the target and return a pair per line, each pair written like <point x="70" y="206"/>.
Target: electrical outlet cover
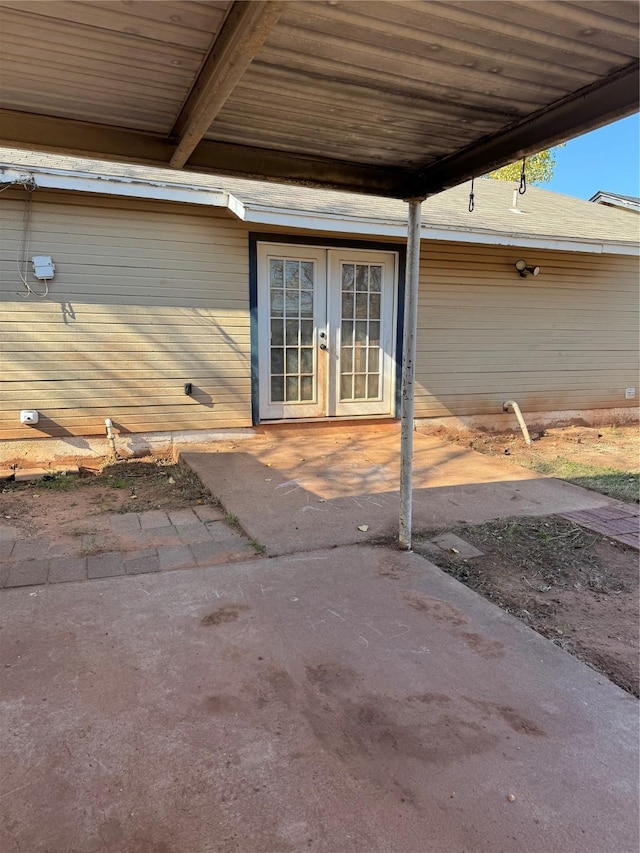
<point x="29" y="417"/>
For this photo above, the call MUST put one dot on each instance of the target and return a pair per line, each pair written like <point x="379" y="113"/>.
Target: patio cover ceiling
<point x="398" y="99"/>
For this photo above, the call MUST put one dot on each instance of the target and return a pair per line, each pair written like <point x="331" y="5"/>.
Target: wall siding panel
<point x="567" y="339"/>
<point x="146" y="296"/>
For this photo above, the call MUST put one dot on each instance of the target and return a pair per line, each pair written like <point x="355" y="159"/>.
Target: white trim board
<point x="120" y="186"/>
<point x="86" y="182"/>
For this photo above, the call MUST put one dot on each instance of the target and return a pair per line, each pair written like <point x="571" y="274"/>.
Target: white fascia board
<point x="305" y="220"/>
<point x="388" y="228"/>
<point x="616" y="201"/>
<point x="314" y="221"/>
<point x="119" y="186"/>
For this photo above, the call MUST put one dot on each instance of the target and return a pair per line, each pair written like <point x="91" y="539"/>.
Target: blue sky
<point x="605" y="159"/>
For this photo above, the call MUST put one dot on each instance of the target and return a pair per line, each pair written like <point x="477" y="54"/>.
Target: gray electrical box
<point x="43" y="267"/>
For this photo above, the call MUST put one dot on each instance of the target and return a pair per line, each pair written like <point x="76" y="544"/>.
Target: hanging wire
<point x="22" y="257"/>
<point x="472" y="198"/>
<point x="523" y="178"/>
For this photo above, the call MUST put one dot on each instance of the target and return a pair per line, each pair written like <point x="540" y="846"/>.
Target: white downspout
<point x="511" y="404"/>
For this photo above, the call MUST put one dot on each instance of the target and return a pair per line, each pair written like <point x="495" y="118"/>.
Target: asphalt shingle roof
<point x="541" y="213"/>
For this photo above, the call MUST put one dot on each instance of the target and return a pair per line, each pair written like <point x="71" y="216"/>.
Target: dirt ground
<point x="615" y="447"/>
<point x="64" y="502"/>
<point x="577" y="588"/>
<point x="605" y="459"/>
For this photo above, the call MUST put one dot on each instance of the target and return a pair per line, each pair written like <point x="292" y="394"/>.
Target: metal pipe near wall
<point x="511" y="404"/>
<point x="111" y="435"/>
<point x="408" y="372"/>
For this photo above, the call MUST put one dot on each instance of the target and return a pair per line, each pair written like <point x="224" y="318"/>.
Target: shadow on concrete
<point x="315" y="491"/>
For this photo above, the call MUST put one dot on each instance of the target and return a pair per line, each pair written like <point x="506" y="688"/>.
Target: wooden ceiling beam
<point x="587" y="109"/>
<point x="242" y="35"/>
<point x="103" y="142"/>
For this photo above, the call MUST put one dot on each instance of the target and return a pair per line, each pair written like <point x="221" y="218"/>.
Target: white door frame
<point x="325" y="402"/>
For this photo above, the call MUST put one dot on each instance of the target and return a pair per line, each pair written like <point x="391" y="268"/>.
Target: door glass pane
<point x="347" y="277"/>
<point x="362" y="277"/>
<point x="277" y="333"/>
<point x="277" y="389"/>
<point x="292" y="389"/>
<point x="346" y="387"/>
<point x="276" y="272"/>
<point x="306" y="275"/>
<point x="292" y="274"/>
<point x="347" y="306"/>
<point x="277" y="303"/>
<point x="306" y="333"/>
<point x="360" y="386"/>
<point x="306" y="388"/>
<point x="292" y="360"/>
<point x="292" y="332"/>
<point x="291" y="301"/>
<point x="306" y="304"/>
<point x="347" y="332"/>
<point x="362" y="305"/>
<point x="360" y="343"/>
<point x="306" y="360"/>
<point x="277" y="360"/>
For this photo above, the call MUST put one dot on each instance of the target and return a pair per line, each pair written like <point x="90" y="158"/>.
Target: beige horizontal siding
<point x="567" y="339"/>
<point x="146" y="296"/>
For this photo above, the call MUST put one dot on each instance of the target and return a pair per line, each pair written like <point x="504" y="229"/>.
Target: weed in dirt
<point x="153" y="485"/>
<point x="93" y="551"/>
<point x="58" y="483"/>
<point x="51" y="482"/>
<point x="81" y="531"/>
<point x="232" y="520"/>
<point x="257" y="547"/>
<point x="119" y="482"/>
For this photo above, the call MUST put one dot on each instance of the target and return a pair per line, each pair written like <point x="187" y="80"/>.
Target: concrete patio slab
<point x="300" y="490"/>
<point x="355" y="700"/>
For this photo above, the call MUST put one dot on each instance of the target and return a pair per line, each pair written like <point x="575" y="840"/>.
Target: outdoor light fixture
<point x="524" y="270"/>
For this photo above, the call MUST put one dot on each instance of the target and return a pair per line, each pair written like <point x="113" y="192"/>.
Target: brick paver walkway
<point x="621" y="522"/>
<point x="128" y="544"/>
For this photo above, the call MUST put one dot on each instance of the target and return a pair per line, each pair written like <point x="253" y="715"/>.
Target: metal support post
<point x="408" y="371"/>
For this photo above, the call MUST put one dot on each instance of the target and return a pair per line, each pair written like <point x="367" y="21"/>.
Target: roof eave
<point x="85" y="182"/>
<point x="368" y="227"/>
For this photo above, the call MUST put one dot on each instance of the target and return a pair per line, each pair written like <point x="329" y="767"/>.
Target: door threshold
<point x="336" y="423"/>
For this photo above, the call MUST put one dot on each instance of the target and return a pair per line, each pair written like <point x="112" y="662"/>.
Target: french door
<point x="326" y="321"/>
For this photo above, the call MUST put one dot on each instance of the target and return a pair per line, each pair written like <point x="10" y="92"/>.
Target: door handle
<point x="324" y="346"/>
